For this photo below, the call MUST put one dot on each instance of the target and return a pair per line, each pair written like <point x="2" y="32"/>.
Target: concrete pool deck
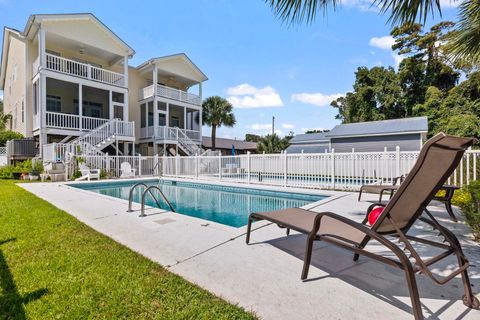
<point x="264" y="277"/>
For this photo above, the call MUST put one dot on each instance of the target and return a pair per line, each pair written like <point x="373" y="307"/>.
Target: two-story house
<point x="66" y="80"/>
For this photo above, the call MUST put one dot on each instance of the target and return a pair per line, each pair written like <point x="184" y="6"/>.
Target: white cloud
<point x="449" y="3"/>
<point x="288" y="126"/>
<point x="246" y="96"/>
<point x="317" y="99"/>
<point x="385" y="42"/>
<point x="397" y="58"/>
<point x="260" y="126"/>
<point x="362" y="5"/>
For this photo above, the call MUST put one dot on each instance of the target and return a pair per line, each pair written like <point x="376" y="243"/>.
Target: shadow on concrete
<point x="383" y="281"/>
<point x="11" y="301"/>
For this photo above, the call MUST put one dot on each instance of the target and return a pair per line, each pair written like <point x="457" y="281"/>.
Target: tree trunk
<point x="214" y="136"/>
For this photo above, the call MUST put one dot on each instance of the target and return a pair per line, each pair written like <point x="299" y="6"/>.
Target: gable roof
<point x="35" y="19"/>
<point x="7" y="33"/>
<point x="224" y="143"/>
<point x="182" y="56"/>
<point x="394" y="126"/>
<point x="310" y="138"/>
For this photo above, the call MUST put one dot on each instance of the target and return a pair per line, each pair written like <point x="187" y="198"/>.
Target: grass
<point x="54" y="267"/>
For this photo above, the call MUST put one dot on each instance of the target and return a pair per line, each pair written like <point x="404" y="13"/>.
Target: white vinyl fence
<point x="3" y="156"/>
<point x="340" y="171"/>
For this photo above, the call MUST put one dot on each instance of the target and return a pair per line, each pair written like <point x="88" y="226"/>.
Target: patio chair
<point x="126" y="170"/>
<point x="88" y="173"/>
<point x="381" y="188"/>
<point x="437" y="160"/>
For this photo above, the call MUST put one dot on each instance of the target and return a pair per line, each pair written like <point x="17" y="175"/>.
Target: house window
<point x="143" y="115"/>
<point x="150" y="114"/>
<point x="35" y="98"/>
<point x="175" y="122"/>
<point x="89" y="109"/>
<point x="162" y="120"/>
<point x="54" y="103"/>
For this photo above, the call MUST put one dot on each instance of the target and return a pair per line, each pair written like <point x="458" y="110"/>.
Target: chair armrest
<point x="95" y="171"/>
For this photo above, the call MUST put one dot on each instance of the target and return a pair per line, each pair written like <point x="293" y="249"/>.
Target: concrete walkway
<point x="264" y="277"/>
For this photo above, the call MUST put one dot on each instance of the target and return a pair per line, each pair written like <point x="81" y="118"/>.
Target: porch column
<point x="110" y="105"/>
<point x="43" y="101"/>
<point x="167" y="120"/>
<point x="155" y="108"/>
<point x="184" y="117"/>
<point x="41" y="47"/>
<point x="125" y="71"/>
<point x="80" y="106"/>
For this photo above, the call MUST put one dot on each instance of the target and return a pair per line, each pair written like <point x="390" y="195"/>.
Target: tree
<point x="272" y="143"/>
<point x="465" y="39"/>
<point x="8" y="135"/>
<point x="252" y="137"/>
<point x="217" y="112"/>
<point x="4" y="119"/>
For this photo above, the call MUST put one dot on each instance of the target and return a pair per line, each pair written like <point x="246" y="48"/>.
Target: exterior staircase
<point x="188" y="146"/>
<point x="91" y="143"/>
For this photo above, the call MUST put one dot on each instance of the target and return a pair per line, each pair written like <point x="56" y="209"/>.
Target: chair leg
<point x="249" y="229"/>
<point x="288" y="231"/>
<point x="360" y="194"/>
<point x="361" y="246"/>
<point x="413" y="290"/>
<point x="469" y="298"/>
<point x="381" y="196"/>
<point x="308" y="257"/>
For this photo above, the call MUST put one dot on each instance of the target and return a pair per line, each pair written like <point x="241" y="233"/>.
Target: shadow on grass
<point x="11" y="301"/>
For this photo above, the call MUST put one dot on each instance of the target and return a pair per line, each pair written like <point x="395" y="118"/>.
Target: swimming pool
<point x="223" y="204"/>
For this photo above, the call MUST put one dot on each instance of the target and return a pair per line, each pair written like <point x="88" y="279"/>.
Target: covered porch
<point x="62" y="101"/>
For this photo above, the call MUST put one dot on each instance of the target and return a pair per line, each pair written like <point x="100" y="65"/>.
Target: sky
<point x="264" y="67"/>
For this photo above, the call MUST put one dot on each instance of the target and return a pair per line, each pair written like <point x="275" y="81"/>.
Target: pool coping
<point x="330" y="196"/>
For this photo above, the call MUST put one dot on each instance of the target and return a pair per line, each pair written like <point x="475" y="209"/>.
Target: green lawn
<point x="53" y="266"/>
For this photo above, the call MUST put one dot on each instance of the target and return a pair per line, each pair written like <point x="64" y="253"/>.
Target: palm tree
<point x="217" y="112"/>
<point x="465" y="40"/>
<point x="272" y="143"/>
<point x="4" y="119"/>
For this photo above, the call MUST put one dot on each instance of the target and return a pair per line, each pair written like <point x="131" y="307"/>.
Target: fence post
<point x="196" y="165"/>
<point x="107" y="164"/>
<point x="176" y="165"/>
<point x="220" y="166"/>
<point x="249" y="167"/>
<point x="332" y="168"/>
<point x="397" y="161"/>
<point x="384" y="166"/>
<point x="140" y="165"/>
<point x="155" y="165"/>
<point x="285" y="168"/>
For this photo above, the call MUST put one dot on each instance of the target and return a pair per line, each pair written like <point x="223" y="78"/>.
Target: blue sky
<point x="265" y="68"/>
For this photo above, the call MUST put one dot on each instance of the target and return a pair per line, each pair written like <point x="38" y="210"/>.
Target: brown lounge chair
<point x="381" y="188"/>
<point x="436" y="161"/>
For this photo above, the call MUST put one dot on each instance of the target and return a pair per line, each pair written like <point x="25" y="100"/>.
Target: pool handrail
<point x="130" y="195"/>
<point x="142" y="211"/>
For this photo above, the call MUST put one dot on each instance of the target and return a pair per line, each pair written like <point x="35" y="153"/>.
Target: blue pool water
<point x="227" y="205"/>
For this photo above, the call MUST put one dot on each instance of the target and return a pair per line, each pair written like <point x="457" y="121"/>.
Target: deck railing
<point x="72" y="121"/>
<point x="170" y="93"/>
<point x="339" y="171"/>
<point x="79" y="69"/>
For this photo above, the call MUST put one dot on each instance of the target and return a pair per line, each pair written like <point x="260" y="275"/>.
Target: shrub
<point x="9" y="172"/>
<point x="468" y="199"/>
<point x="8" y="135"/>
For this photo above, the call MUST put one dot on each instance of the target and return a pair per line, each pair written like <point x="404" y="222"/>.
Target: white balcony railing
<point x="72" y="121"/>
<point x="82" y="70"/>
<point x="170" y="93"/>
<point x="169" y="133"/>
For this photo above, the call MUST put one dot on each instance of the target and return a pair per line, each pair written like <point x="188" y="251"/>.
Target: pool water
<point x="227" y="205"/>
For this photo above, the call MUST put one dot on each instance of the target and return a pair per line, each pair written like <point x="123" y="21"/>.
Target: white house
<point x="62" y="61"/>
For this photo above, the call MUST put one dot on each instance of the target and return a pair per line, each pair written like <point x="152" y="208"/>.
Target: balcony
<point x="72" y="121"/>
<point x="170" y="93"/>
<point x="164" y="133"/>
<point x="81" y="70"/>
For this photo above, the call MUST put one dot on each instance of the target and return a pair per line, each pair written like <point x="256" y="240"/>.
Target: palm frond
<point x="409" y="11"/>
<point x="464" y="41"/>
<point x="299" y="11"/>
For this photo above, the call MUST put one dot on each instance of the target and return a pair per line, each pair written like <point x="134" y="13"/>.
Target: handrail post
<point x="249" y="167"/>
<point x="220" y="166"/>
<point x="139" y="165"/>
<point x="332" y="168"/>
<point x="285" y="173"/>
<point x="397" y="161"/>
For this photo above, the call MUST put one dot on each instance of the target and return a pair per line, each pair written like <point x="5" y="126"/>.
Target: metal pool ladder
<point x="149" y="190"/>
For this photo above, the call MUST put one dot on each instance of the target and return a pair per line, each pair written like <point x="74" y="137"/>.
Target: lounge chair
<point x="381" y="188"/>
<point x="126" y="170"/>
<point x="88" y="173"/>
<point x="437" y="160"/>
